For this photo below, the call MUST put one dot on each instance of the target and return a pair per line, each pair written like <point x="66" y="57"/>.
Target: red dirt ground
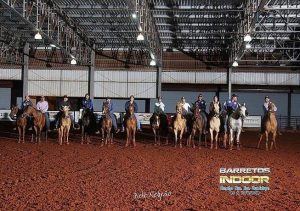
<point x="91" y="177"/>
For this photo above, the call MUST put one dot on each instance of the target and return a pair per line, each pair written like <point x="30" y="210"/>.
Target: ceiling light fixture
<point x="73" y="61"/>
<point x="235" y="64"/>
<point x="153" y="62"/>
<point x="38" y="36"/>
<point x="140" y="37"/>
<point x="248" y="46"/>
<point x="247" y="38"/>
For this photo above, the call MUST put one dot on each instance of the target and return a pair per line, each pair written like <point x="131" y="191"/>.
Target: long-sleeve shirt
<point x="159" y="107"/>
<point x="201" y="104"/>
<point x="88" y="104"/>
<point x="127" y="104"/>
<point x="230" y="105"/>
<point x="62" y="104"/>
<point x="42" y="106"/>
<point x="26" y="103"/>
<point x="186" y="106"/>
<point x="266" y="107"/>
<point x="110" y="107"/>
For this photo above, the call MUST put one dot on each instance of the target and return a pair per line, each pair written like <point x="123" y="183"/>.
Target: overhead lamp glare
<point x="247" y="38"/>
<point x="248" y="46"/>
<point x="134" y="15"/>
<point x="38" y="36"/>
<point x="140" y="37"/>
<point x="235" y="64"/>
<point x="73" y="61"/>
<point x="153" y="62"/>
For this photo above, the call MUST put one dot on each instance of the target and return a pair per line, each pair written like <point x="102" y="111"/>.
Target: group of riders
<point x="229" y="107"/>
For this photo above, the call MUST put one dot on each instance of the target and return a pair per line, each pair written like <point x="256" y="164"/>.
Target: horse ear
<point x="244" y="104"/>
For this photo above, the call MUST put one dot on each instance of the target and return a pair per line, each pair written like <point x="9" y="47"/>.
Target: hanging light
<point x="152" y="55"/>
<point x="153" y="62"/>
<point x="140" y="37"/>
<point x="73" y="61"/>
<point x="247" y="38"/>
<point x="134" y="15"/>
<point x="38" y="36"/>
<point x="52" y="45"/>
<point x="235" y="64"/>
<point x="248" y="46"/>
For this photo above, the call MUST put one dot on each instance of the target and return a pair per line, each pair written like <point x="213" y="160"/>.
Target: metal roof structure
<point x="210" y="30"/>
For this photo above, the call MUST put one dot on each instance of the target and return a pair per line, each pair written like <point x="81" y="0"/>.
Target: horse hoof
<point x="180" y="146"/>
<point x="194" y="146"/>
<point x="68" y="143"/>
<point x="211" y="147"/>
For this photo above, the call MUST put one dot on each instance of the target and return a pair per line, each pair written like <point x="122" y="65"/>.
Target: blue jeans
<point x="47" y="122"/>
<point x="114" y="121"/>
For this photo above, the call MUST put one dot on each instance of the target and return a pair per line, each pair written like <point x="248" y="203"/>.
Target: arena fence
<point x="284" y="122"/>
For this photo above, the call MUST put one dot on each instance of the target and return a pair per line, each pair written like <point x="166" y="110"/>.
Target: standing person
<point x="111" y="113"/>
<point x="229" y="107"/>
<point x="265" y="109"/>
<point x="64" y="102"/>
<point x="87" y="103"/>
<point x="43" y="106"/>
<point x="127" y="104"/>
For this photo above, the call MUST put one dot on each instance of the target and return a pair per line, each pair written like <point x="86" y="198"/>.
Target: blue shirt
<point x="88" y="104"/>
<point x="201" y="104"/>
<point x="134" y="105"/>
<point x="230" y="106"/>
<point x="110" y="107"/>
<point x="26" y="103"/>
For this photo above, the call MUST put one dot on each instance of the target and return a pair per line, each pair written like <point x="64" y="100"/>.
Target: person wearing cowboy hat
<point x="229" y="107"/>
<point x="127" y="104"/>
<point x="62" y="104"/>
<point x="159" y="106"/>
<point x="87" y="103"/>
<point x="43" y="106"/>
<point x="186" y="106"/>
<point x="266" y="109"/>
<point x="111" y="113"/>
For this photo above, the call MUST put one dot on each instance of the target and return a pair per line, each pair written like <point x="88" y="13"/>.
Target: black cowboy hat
<point x="267" y="97"/>
<point x="65" y="96"/>
<point x="234" y="95"/>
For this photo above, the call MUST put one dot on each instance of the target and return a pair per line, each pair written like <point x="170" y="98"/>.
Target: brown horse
<point x="131" y="126"/>
<point x="198" y="125"/>
<point x="21" y="122"/>
<point x="65" y="121"/>
<point x="179" y="124"/>
<point x="270" y="126"/>
<point x="214" y="124"/>
<point x="155" y="124"/>
<point x="39" y="121"/>
<point x="106" y="126"/>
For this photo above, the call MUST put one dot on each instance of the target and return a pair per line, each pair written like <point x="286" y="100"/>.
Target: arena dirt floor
<point x="91" y="177"/>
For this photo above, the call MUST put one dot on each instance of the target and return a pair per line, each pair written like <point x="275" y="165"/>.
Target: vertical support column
<point x="229" y="74"/>
<point x="289" y="108"/>
<point x="147" y="105"/>
<point x="91" y="76"/>
<point x="158" y="81"/>
<point x="25" y="69"/>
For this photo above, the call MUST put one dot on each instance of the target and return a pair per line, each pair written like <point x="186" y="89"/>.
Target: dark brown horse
<point x="106" y="126"/>
<point x="130" y="126"/>
<point x="21" y="122"/>
<point x="198" y="125"/>
<point x="38" y="122"/>
<point x="159" y="125"/>
<point x="88" y="125"/>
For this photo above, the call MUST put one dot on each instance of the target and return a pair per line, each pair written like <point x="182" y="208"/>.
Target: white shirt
<point x="186" y="106"/>
<point x="42" y="106"/>
<point x="160" y="106"/>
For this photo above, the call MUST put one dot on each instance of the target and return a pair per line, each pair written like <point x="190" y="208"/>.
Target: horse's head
<point x="243" y="110"/>
<point x="216" y="108"/>
<point x="14" y="111"/>
<point x="29" y="110"/>
<point x="105" y="108"/>
<point x="179" y="108"/>
<point x="271" y="107"/>
<point x="131" y="109"/>
<point x="156" y="120"/>
<point x="196" y="111"/>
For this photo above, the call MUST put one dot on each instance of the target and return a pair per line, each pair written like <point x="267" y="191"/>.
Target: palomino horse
<point x="198" y="125"/>
<point x="65" y="125"/>
<point x="235" y="125"/>
<point x="179" y="124"/>
<point x="39" y="121"/>
<point x="131" y="126"/>
<point x="159" y="125"/>
<point x="21" y="122"/>
<point x="106" y="126"/>
<point x="88" y="124"/>
<point x="214" y="124"/>
<point x="270" y="126"/>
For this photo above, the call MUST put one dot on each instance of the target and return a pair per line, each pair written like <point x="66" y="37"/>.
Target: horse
<point x="131" y="126"/>
<point x="235" y="125"/>
<point x="214" y="124"/>
<point x="21" y="122"/>
<point x="159" y="125"/>
<point x="106" y="126"/>
<point x="88" y="122"/>
<point x="198" y="124"/>
<point x="179" y="124"/>
<point x="39" y="121"/>
<point x="270" y="126"/>
<point x="65" y="125"/>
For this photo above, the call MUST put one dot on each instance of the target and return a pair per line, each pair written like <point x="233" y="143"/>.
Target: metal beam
<point x="25" y="70"/>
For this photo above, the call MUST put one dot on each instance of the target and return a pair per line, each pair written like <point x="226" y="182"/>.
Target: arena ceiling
<point x="208" y="30"/>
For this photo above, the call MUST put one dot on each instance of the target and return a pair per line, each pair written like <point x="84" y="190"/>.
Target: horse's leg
<point x="231" y="139"/>
<point x="102" y="136"/>
<point x="111" y="137"/>
<point x="82" y="134"/>
<point x="158" y="137"/>
<point x="238" y="138"/>
<point x="154" y="132"/>
<point x="211" y="138"/>
<point x="36" y="134"/>
<point x="274" y="139"/>
<point x="203" y="131"/>
<point x="127" y="138"/>
<point x="67" y="134"/>
<point x="40" y="134"/>
<point x="46" y="134"/>
<point x="133" y="137"/>
<point x="175" y="133"/>
<point x="260" y="138"/>
<point x="59" y="136"/>
<point x="180" y="138"/>
<point x="217" y="134"/>
<point x="20" y="134"/>
<point x="225" y="139"/>
<point x="267" y="139"/>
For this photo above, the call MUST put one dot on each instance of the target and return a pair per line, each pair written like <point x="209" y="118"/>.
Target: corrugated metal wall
<point x="10" y="74"/>
<point x="73" y="83"/>
<point x="122" y="83"/>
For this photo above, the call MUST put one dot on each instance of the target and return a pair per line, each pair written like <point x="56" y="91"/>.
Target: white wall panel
<point x="10" y="74"/>
<point x="112" y="76"/>
<point x="211" y="77"/>
<point x="178" y="77"/>
<point x="142" y="90"/>
<point x="75" y="75"/>
<point x="283" y="79"/>
<point x="47" y="88"/>
<point x="248" y="78"/>
<point x="48" y="74"/>
<point x="141" y="76"/>
<point x="111" y="89"/>
<point x="74" y="89"/>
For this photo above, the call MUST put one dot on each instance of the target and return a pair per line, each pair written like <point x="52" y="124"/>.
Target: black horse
<point x="159" y="124"/>
<point x="88" y="125"/>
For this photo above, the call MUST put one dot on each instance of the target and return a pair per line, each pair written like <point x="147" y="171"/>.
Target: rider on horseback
<point x="159" y="109"/>
<point x="201" y="104"/>
<point x="127" y="104"/>
<point x="27" y="102"/>
<point x="229" y="107"/>
<point x="266" y="109"/>
<point x="43" y="106"/>
<point x="111" y="113"/>
<point x="61" y="106"/>
<point x="87" y="103"/>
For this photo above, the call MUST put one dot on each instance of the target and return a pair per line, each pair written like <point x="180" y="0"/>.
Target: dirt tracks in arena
<point x="89" y="177"/>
